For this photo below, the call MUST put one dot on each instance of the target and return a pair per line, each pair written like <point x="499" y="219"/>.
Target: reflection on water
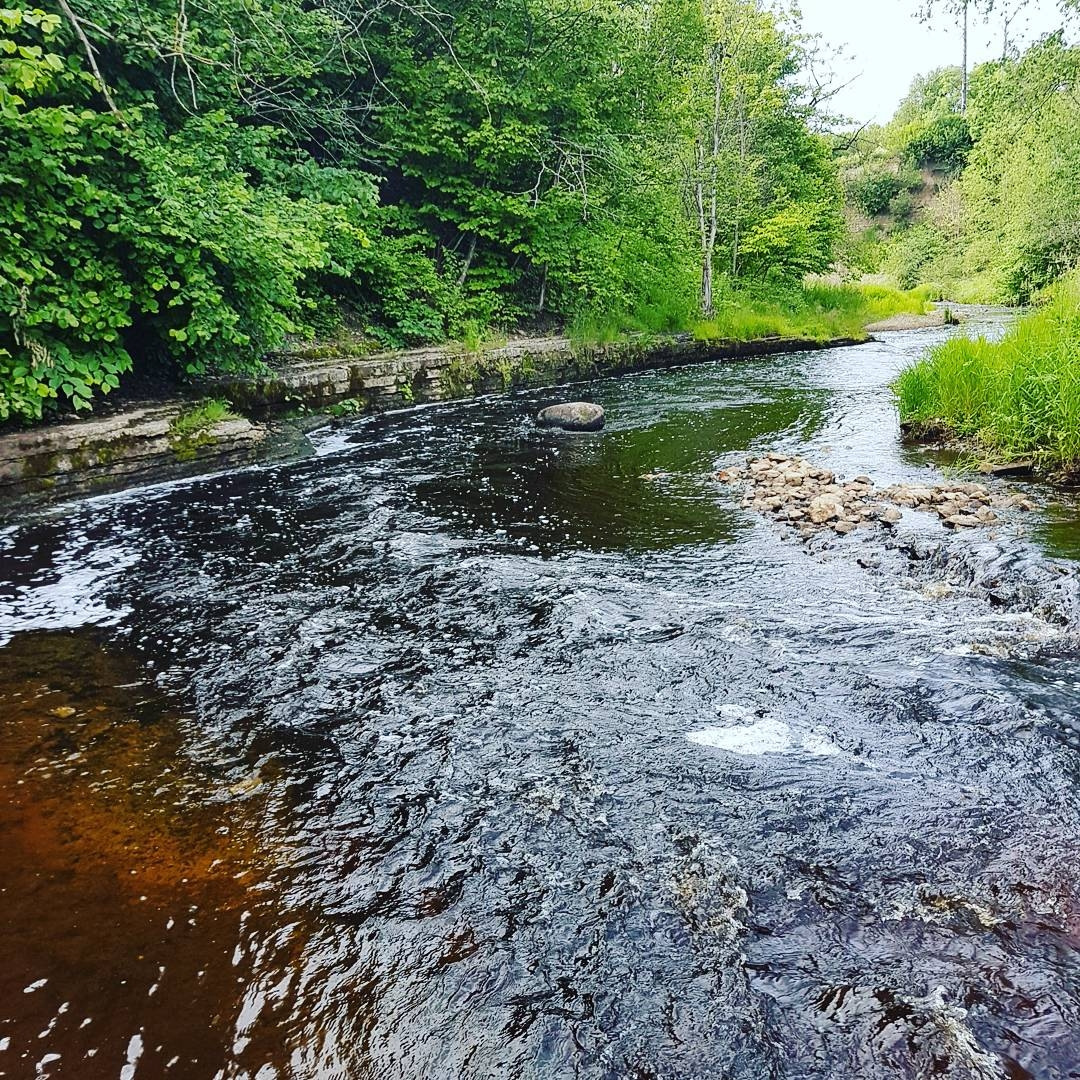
<point x="465" y="750"/>
<point x="132" y="913"/>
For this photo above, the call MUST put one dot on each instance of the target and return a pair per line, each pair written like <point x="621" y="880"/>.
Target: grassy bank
<point x="1015" y="398"/>
<point x="814" y="312"/>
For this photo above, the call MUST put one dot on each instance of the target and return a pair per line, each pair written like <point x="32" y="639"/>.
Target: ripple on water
<point x="469" y="751"/>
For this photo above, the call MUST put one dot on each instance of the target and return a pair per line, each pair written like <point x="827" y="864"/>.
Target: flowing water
<point x="467" y="750"/>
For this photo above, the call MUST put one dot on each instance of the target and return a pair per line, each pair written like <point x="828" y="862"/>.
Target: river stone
<point x="825" y="508"/>
<point x="572" y="416"/>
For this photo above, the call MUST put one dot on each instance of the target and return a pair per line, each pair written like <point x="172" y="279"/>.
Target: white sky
<point x="886" y="46"/>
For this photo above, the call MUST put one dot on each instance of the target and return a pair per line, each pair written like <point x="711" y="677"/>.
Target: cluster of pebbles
<point x="793" y="491"/>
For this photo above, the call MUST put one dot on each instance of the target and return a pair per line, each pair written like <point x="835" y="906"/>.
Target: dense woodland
<point x="186" y="186"/>
<point x="189" y="184"/>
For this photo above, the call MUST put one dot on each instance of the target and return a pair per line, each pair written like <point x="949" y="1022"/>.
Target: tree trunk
<point x="703" y="229"/>
<point x="707" y="286"/>
<point x="964" y="74"/>
<point x="468" y="261"/>
<point x="707" y="209"/>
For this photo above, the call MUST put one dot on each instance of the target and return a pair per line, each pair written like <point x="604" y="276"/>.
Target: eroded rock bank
<point x="140" y="444"/>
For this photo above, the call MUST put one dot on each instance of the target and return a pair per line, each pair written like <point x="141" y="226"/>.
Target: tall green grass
<point x="662" y="314"/>
<point x="816" y="312"/>
<point x="1016" y="398"/>
<point x="811" y="312"/>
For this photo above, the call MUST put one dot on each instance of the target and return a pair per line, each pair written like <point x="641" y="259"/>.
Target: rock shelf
<point x="794" y="492"/>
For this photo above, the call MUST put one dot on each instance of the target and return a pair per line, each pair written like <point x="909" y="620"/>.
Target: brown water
<point x="468" y="750"/>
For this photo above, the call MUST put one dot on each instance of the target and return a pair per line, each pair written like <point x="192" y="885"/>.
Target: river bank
<point x="1012" y="398"/>
<point x="153" y="441"/>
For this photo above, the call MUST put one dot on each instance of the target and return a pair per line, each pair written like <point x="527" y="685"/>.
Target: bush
<point x="117" y="237"/>
<point x="873" y="192"/>
<point x="944" y="142"/>
<point x="902" y="209"/>
<point x="912" y="253"/>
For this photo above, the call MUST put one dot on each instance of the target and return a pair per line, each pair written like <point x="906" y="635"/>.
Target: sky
<point x="886" y="46"/>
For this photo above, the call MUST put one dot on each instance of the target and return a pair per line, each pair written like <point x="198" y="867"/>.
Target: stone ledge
<point x="395" y="380"/>
<point x="88" y="456"/>
<point x="98" y="454"/>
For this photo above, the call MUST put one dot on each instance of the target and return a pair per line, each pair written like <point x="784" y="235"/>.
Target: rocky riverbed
<point x="810" y="499"/>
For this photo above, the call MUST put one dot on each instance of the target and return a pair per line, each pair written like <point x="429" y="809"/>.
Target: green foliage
<point x="1022" y="184"/>
<point x="193" y="426"/>
<point x="874" y="192"/>
<point x="912" y="253"/>
<point x="119" y="237"/>
<point x="1007" y="224"/>
<point x="478" y="338"/>
<point x="199" y="418"/>
<point x="62" y="301"/>
<point x="347" y="407"/>
<point x="593" y="328"/>
<point x="1017" y="397"/>
<point x="193" y="192"/>
<point x="861" y="251"/>
<point x="929" y="98"/>
<point x="943" y="142"/>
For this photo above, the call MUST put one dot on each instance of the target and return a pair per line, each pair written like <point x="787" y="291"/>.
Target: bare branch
<point x="91" y="55"/>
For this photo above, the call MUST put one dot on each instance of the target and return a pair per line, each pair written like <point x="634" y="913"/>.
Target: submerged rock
<point x="572" y="416"/>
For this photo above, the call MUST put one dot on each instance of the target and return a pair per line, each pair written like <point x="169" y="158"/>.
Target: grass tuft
<point x="191" y="429"/>
<point x="199" y="418"/>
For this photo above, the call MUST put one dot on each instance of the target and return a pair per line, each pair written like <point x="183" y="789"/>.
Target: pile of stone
<point x="792" y="491"/>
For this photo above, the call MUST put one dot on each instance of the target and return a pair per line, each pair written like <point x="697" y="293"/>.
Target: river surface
<point x="464" y="750"/>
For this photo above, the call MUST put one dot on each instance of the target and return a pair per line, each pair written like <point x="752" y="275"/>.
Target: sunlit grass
<point x="1018" y="397"/>
<point x="813" y="313"/>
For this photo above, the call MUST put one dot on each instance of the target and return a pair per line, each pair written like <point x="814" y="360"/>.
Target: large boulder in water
<point x="572" y="416"/>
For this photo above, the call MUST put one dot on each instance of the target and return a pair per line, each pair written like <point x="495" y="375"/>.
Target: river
<point x="465" y="750"/>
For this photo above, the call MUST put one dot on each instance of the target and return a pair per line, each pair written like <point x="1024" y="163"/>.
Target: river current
<point x="466" y="750"/>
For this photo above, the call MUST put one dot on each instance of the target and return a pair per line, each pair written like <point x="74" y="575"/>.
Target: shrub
<point x="911" y="254"/>
<point x="873" y="192"/>
<point x="944" y="142"/>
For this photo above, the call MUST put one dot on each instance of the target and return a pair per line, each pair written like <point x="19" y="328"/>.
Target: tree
<point x="961" y="11"/>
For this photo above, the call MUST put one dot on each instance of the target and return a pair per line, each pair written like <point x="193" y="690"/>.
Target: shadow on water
<point x="467" y="751"/>
<point x="641" y="488"/>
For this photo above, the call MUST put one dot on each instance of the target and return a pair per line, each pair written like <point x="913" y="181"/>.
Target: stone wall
<point x="394" y="380"/>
